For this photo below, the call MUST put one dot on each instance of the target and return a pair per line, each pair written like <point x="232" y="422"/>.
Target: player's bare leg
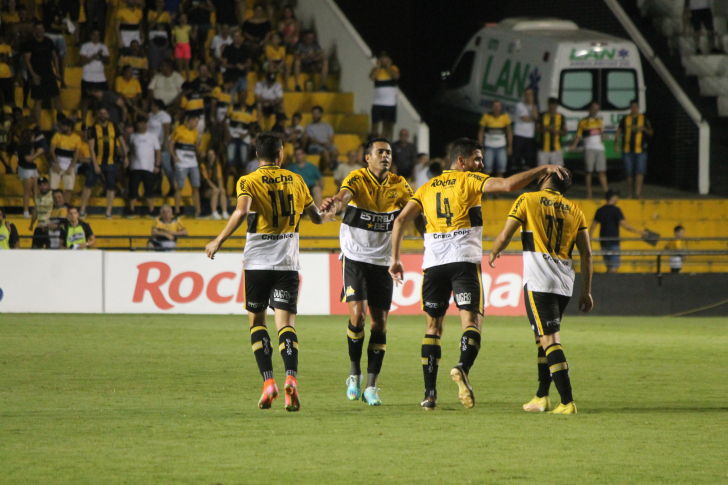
<point x="431" y="354"/>
<point x="469" y="348"/>
<point x="559" y="369"/>
<point x="263" y="350"/>
<point x="375" y="354"/>
<point x="288" y="346"/>
<point x="541" y="402"/>
<point x="355" y="339"/>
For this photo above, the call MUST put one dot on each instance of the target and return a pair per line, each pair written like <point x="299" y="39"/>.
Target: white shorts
<point x="127" y="36"/>
<point x="68" y="180"/>
<point x="27" y="173"/>
<point x="595" y="160"/>
<point x="551" y="158"/>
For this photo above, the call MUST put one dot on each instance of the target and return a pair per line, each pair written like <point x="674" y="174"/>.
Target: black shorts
<point x="144" y="177"/>
<point x="463" y="279"/>
<point x="702" y="16"/>
<point x="277" y="289"/>
<point x="384" y="113"/>
<point x="48" y="88"/>
<point x="87" y="87"/>
<point x="544" y="311"/>
<point x="366" y="281"/>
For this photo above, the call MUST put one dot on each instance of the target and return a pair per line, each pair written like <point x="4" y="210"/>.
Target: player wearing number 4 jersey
<point x="550" y="226"/>
<point x="453" y="256"/>
<point x="272" y="199"/>
<point x="373" y="198"/>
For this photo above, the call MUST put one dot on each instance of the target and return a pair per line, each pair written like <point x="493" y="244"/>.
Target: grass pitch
<point x="172" y="399"/>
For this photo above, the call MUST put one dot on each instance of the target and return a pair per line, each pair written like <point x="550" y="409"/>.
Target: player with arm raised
<point x="373" y="197"/>
<point x="550" y="226"/>
<point x="272" y="199"/>
<point x="453" y="255"/>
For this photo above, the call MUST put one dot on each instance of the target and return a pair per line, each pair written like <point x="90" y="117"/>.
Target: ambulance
<point x="553" y="57"/>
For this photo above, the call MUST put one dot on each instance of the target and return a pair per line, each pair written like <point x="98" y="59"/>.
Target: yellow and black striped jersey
<point x="590" y="129"/>
<point x="633" y="141"/>
<point x="65" y="148"/>
<point x="550" y="142"/>
<point x="495" y="129"/>
<point x="193" y="104"/>
<point x="366" y="231"/>
<point x="549" y="225"/>
<point x="451" y="205"/>
<point x="239" y="121"/>
<point x="278" y="199"/>
<point x="184" y="144"/>
<point x="224" y="101"/>
<point x="138" y="64"/>
<point x="105" y="142"/>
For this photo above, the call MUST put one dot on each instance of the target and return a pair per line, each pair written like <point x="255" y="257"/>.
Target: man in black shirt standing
<point x="41" y="59"/>
<point x="610" y="218"/>
<point x="236" y="61"/>
<point x="404" y="154"/>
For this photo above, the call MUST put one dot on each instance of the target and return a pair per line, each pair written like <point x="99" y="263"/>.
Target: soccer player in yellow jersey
<point x="272" y="199"/>
<point x="373" y="197"/>
<point x="551" y="226"/>
<point x="453" y="255"/>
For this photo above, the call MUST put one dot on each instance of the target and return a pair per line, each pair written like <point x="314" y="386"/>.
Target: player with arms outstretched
<point x="550" y="226"/>
<point x="453" y="256"/>
<point x="373" y="197"/>
<point x="272" y="199"/>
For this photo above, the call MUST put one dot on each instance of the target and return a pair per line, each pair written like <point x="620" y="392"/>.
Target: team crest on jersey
<point x="350" y="291"/>
<point x="392" y="194"/>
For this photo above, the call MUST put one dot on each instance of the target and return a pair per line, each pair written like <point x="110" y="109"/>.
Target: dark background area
<point x="425" y="38"/>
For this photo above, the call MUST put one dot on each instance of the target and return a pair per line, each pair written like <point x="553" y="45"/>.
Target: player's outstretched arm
<point x="520" y="180"/>
<point x="337" y="202"/>
<point x="236" y="219"/>
<point x="318" y="216"/>
<point x="503" y="240"/>
<point x="409" y="213"/>
<point x="587" y="269"/>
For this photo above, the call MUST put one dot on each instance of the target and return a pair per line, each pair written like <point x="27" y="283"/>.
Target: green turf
<point x="172" y="399"/>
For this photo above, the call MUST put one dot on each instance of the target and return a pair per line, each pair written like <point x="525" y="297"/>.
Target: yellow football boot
<point x="537" y="405"/>
<point x="565" y="409"/>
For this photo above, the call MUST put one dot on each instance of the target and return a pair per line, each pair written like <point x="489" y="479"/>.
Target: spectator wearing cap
<point x="311" y="175"/>
<point x="268" y="96"/>
<point x="146" y="160"/>
<point x="9" y="238"/>
<point x="166" y="85"/>
<point x="318" y="138"/>
<point x="404" y="154"/>
<point x="166" y="230"/>
<point x="27" y="152"/>
<point x="310" y="58"/>
<point x="384" y="107"/>
<point x="42" y="214"/>
<point x="65" y="150"/>
<point x="76" y="234"/>
<point x="610" y="218"/>
<point x="94" y="55"/>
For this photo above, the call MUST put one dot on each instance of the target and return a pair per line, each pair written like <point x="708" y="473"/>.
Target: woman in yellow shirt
<point x="128" y="88"/>
<point x="182" y="49"/>
<point x="275" y="58"/>
<point x="212" y="183"/>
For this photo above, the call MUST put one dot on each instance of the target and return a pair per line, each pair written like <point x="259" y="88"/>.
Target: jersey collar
<point x="374" y="178"/>
<point x="271" y="167"/>
<point x="552" y="191"/>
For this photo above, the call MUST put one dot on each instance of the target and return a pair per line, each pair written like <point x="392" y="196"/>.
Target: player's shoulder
<point x="355" y="176"/>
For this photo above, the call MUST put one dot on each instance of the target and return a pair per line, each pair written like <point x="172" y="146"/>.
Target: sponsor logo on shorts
<point x="551" y="323"/>
<point x="350" y="291"/>
<point x="433" y="305"/>
<point x="281" y="295"/>
<point x="255" y="305"/>
<point x="277" y="237"/>
<point x="463" y="298"/>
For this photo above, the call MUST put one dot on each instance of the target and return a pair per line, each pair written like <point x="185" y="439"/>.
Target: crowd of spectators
<point x="162" y="81"/>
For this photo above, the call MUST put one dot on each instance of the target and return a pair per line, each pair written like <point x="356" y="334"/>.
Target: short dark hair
<point x="678" y="228"/>
<point x="159" y="103"/>
<point x="2" y="211"/>
<point x="67" y="122"/>
<point x="369" y="146"/>
<point x="57" y="191"/>
<point x="553" y="100"/>
<point x="267" y="145"/>
<point x="561" y="184"/>
<point x="462" y="147"/>
<point x="68" y="209"/>
<point x="317" y="107"/>
<point x="142" y="119"/>
<point x="634" y="101"/>
<point x="297" y="115"/>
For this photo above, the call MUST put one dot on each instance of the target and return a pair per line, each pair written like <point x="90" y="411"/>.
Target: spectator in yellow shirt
<point x="497" y="138"/>
<point x="679" y="244"/>
<point x="128" y="88"/>
<point x="275" y="59"/>
<point x="182" y="49"/>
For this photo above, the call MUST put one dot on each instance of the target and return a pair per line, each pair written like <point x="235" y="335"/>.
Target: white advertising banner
<point x="33" y="281"/>
<point x="192" y="283"/>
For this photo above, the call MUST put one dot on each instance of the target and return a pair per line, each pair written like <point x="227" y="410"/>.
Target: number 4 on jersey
<point x="286" y="207"/>
<point x="447" y="215"/>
